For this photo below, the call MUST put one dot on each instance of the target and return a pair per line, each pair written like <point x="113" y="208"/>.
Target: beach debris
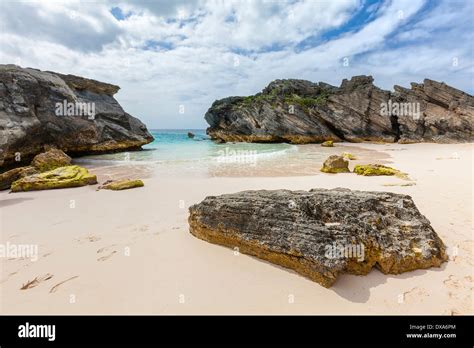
<point x="55" y="288"/>
<point x="51" y="159"/>
<point x="327" y="232"/>
<point x="328" y="143"/>
<point x="349" y="156"/>
<point x="335" y="164"/>
<point x="378" y="169"/>
<point x="35" y="282"/>
<point x="117" y="185"/>
<point x="62" y="177"/>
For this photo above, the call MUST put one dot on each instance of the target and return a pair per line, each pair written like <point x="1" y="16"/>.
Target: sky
<point x="173" y="58"/>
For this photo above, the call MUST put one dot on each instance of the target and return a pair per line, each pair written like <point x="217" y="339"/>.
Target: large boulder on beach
<point x="41" y="109"/>
<point x="300" y="111"/>
<point x="62" y="177"/>
<point x="320" y="233"/>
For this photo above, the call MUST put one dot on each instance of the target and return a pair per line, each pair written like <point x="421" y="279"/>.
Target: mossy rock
<point x="121" y="184"/>
<point x="376" y="170"/>
<point x="328" y="143"/>
<point x="63" y="177"/>
<point x="50" y="160"/>
<point x="335" y="164"/>
<point x="349" y="156"/>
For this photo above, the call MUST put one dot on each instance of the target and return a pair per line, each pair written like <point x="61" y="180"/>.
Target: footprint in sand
<point x="90" y="239"/>
<point x="55" y="288"/>
<point x="106" y="257"/>
<point x="35" y="282"/>
<point x="452" y="282"/>
<point x="415" y="295"/>
<point x="101" y="250"/>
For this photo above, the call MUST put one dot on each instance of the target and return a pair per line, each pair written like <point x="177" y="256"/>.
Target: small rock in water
<point x="190" y="135"/>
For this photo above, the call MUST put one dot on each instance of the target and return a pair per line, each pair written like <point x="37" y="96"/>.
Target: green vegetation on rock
<point x="335" y="164"/>
<point x="307" y="102"/>
<point x="349" y="156"/>
<point x="377" y="169"/>
<point x="121" y="184"/>
<point x="328" y="143"/>
<point x="63" y="177"/>
<point x="50" y="160"/>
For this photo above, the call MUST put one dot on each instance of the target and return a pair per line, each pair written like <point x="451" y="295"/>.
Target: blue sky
<point x="173" y="55"/>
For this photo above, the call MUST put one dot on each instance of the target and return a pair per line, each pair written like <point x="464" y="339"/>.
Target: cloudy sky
<point x="165" y="54"/>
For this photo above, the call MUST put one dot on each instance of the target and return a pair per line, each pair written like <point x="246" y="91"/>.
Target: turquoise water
<point x="173" y="153"/>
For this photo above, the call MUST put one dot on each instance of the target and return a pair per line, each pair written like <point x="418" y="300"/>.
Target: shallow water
<point x="173" y="153"/>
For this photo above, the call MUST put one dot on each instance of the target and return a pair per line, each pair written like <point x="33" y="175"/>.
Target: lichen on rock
<point x="328" y="143"/>
<point x="117" y="185"/>
<point x="377" y="169"/>
<point x="349" y="156"/>
<point x="51" y="159"/>
<point x="62" y="177"/>
<point x="335" y="164"/>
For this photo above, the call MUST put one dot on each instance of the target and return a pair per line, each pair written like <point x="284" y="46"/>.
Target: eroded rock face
<point x="299" y="111"/>
<point x="322" y="234"/>
<point x="31" y="121"/>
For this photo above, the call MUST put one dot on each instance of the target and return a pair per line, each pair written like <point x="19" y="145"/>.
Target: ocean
<point x="174" y="153"/>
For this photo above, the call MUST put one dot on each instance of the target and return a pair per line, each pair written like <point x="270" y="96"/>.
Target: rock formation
<point x="50" y="160"/>
<point x="299" y="111"/>
<point x="118" y="185"/>
<point x="39" y="109"/>
<point x="322" y="233"/>
<point x="335" y="164"/>
<point x="62" y="177"/>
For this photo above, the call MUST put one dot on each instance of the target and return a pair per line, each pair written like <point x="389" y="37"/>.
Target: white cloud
<point x="168" y="53"/>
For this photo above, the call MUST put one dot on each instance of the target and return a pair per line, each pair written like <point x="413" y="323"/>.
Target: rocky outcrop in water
<point x="299" y="111"/>
<point x="322" y="234"/>
<point x="40" y="109"/>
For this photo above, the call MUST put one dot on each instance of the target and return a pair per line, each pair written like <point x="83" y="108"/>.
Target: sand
<point x="130" y="252"/>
